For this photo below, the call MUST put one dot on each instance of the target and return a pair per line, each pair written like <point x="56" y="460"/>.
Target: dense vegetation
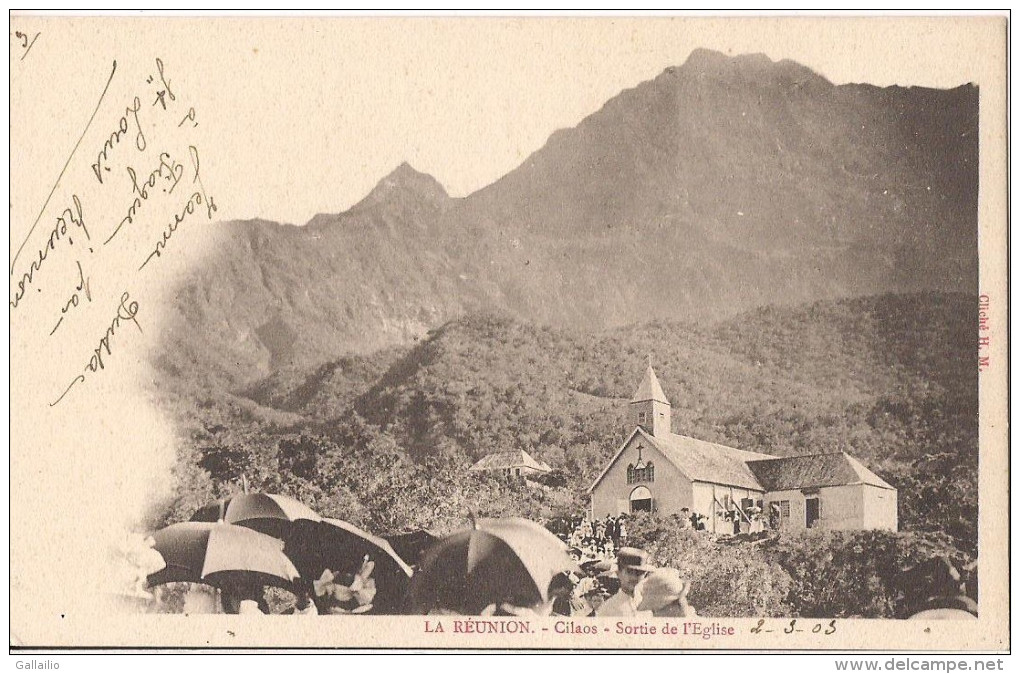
<point x="385" y="441"/>
<point x="814" y="574"/>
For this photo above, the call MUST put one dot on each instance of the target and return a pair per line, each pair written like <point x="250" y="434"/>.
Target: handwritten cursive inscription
<point x="59" y="232"/>
<point x="67" y="163"/>
<point x="25" y="43"/>
<point x="83" y="285"/>
<point x="126" y="311"/>
<point x="190" y="117"/>
<point x="141" y="188"/>
<point x="817" y="627"/>
<point x="165" y="92"/>
<point x="197" y="198"/>
<point x="169" y="172"/>
<point x="123" y="124"/>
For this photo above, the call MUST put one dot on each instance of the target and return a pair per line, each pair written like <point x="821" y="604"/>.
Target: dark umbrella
<point x="342" y="547"/>
<point x="269" y="513"/>
<point x="412" y="545"/>
<point x="211" y="552"/>
<point x="505" y="561"/>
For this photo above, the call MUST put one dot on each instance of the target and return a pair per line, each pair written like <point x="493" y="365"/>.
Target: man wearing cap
<point x="632" y="567"/>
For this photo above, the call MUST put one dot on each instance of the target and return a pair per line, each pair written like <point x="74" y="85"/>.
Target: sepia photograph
<point x="668" y="333"/>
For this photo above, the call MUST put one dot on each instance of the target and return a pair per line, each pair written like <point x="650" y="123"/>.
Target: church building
<point x="728" y="490"/>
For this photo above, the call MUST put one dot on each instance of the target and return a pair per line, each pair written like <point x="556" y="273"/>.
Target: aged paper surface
<point x="134" y="140"/>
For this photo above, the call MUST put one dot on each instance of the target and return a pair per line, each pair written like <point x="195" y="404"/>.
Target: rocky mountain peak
<point x="405" y="183"/>
<point x="710" y="64"/>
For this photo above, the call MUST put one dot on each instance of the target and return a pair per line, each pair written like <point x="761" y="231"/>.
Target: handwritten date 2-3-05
<point x="793" y="627"/>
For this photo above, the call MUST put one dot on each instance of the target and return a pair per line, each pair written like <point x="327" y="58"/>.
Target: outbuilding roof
<point x="511" y="459"/>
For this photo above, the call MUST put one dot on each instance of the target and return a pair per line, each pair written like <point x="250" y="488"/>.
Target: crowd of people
<point x="589" y="568"/>
<point x="596" y="539"/>
<point x="615" y="579"/>
<point x="627" y="586"/>
<point x="598" y="576"/>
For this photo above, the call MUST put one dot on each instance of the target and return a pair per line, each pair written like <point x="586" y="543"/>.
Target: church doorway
<point x="641" y="500"/>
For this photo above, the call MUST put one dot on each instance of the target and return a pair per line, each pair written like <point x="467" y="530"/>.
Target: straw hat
<point x="633" y="558"/>
<point x="662" y="588"/>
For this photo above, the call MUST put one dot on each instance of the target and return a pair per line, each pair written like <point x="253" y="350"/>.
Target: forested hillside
<point x="385" y="440"/>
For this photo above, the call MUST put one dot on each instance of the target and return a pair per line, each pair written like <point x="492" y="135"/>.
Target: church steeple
<point x="649" y="407"/>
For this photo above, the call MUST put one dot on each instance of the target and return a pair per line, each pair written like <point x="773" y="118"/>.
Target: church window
<point x="642" y="472"/>
<point x="641" y="417"/>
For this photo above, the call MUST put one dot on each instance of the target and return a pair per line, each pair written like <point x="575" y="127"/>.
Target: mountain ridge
<point x="719" y="185"/>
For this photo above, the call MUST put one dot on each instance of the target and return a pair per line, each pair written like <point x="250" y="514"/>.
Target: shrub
<point x="813" y="574"/>
<point x="852" y="574"/>
<point x="726" y="580"/>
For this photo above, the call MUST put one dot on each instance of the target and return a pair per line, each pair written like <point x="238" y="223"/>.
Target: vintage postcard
<point x="509" y="333"/>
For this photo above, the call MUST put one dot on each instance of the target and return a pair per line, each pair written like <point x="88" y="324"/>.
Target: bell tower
<point x="649" y="408"/>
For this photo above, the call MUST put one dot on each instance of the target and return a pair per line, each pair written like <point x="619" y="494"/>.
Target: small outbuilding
<point x="514" y="463"/>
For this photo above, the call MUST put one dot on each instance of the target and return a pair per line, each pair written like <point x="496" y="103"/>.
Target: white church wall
<point x="710" y="499"/>
<point x="670" y="490"/>
<point x="840" y="507"/>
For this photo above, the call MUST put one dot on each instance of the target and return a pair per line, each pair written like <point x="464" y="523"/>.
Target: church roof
<point x="511" y="459"/>
<point x="702" y="461"/>
<point x="698" y="460"/>
<point x="649" y="389"/>
<point x="816" y="470"/>
<point x="705" y="461"/>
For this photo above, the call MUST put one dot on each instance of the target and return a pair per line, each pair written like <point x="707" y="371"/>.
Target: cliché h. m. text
<point x="984" y="339"/>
